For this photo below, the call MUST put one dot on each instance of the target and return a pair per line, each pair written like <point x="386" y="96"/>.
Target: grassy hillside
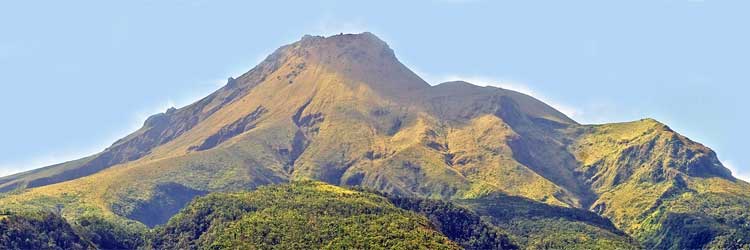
<point x="344" y="110"/>
<point x="282" y="216"/>
<point x="662" y="188"/>
<point x="306" y="214"/>
<point x="334" y="122"/>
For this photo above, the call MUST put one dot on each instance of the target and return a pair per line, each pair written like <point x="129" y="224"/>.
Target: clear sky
<point x="77" y="75"/>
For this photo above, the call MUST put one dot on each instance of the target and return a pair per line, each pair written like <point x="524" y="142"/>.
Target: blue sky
<point x="77" y="75"/>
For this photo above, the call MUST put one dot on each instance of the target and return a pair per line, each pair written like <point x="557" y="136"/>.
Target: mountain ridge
<point x="344" y="110"/>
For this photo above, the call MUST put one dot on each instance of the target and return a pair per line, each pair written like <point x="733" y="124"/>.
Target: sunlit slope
<point x="157" y="130"/>
<point x="334" y="110"/>
<point x="661" y="187"/>
<point x="343" y="110"/>
<point x="537" y="225"/>
<point x="310" y="215"/>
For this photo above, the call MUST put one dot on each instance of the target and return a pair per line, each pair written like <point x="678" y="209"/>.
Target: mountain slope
<point x="662" y="188"/>
<point x="299" y="215"/>
<point x="343" y="110"/>
<point x="38" y="230"/>
<point x="541" y="226"/>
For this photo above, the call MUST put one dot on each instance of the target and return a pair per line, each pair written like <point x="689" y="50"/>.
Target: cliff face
<point x="343" y="110"/>
<point x="661" y="187"/>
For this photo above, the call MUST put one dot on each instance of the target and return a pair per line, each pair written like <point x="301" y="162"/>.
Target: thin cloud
<point x="737" y="172"/>
<point x="199" y="91"/>
<point x="458" y="1"/>
<point x="510" y="85"/>
<point x="328" y="27"/>
<point x="44" y="160"/>
<point x="6" y="171"/>
<point x="51" y="158"/>
<point x="138" y="118"/>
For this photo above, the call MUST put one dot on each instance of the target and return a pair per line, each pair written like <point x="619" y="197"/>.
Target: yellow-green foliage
<point x="301" y="215"/>
<point x="409" y="142"/>
<point x="662" y="188"/>
<point x="343" y="110"/>
<point x="38" y="230"/>
<point x="540" y="226"/>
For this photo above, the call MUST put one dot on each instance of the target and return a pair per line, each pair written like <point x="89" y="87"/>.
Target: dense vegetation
<point x="537" y="225"/>
<point x="457" y="223"/>
<point x="343" y="110"/>
<point x="309" y="215"/>
<point x="38" y="230"/>
<point x="111" y="234"/>
<point x="705" y="221"/>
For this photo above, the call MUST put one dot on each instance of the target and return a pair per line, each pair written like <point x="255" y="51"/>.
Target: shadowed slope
<point x="343" y="110"/>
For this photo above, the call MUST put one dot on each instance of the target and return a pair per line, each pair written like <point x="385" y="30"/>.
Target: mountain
<point x="344" y="110"/>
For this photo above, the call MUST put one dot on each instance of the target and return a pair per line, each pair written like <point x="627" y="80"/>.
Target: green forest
<point x="315" y="215"/>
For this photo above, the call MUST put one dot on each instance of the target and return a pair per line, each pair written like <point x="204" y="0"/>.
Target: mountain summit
<point x="343" y="110"/>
